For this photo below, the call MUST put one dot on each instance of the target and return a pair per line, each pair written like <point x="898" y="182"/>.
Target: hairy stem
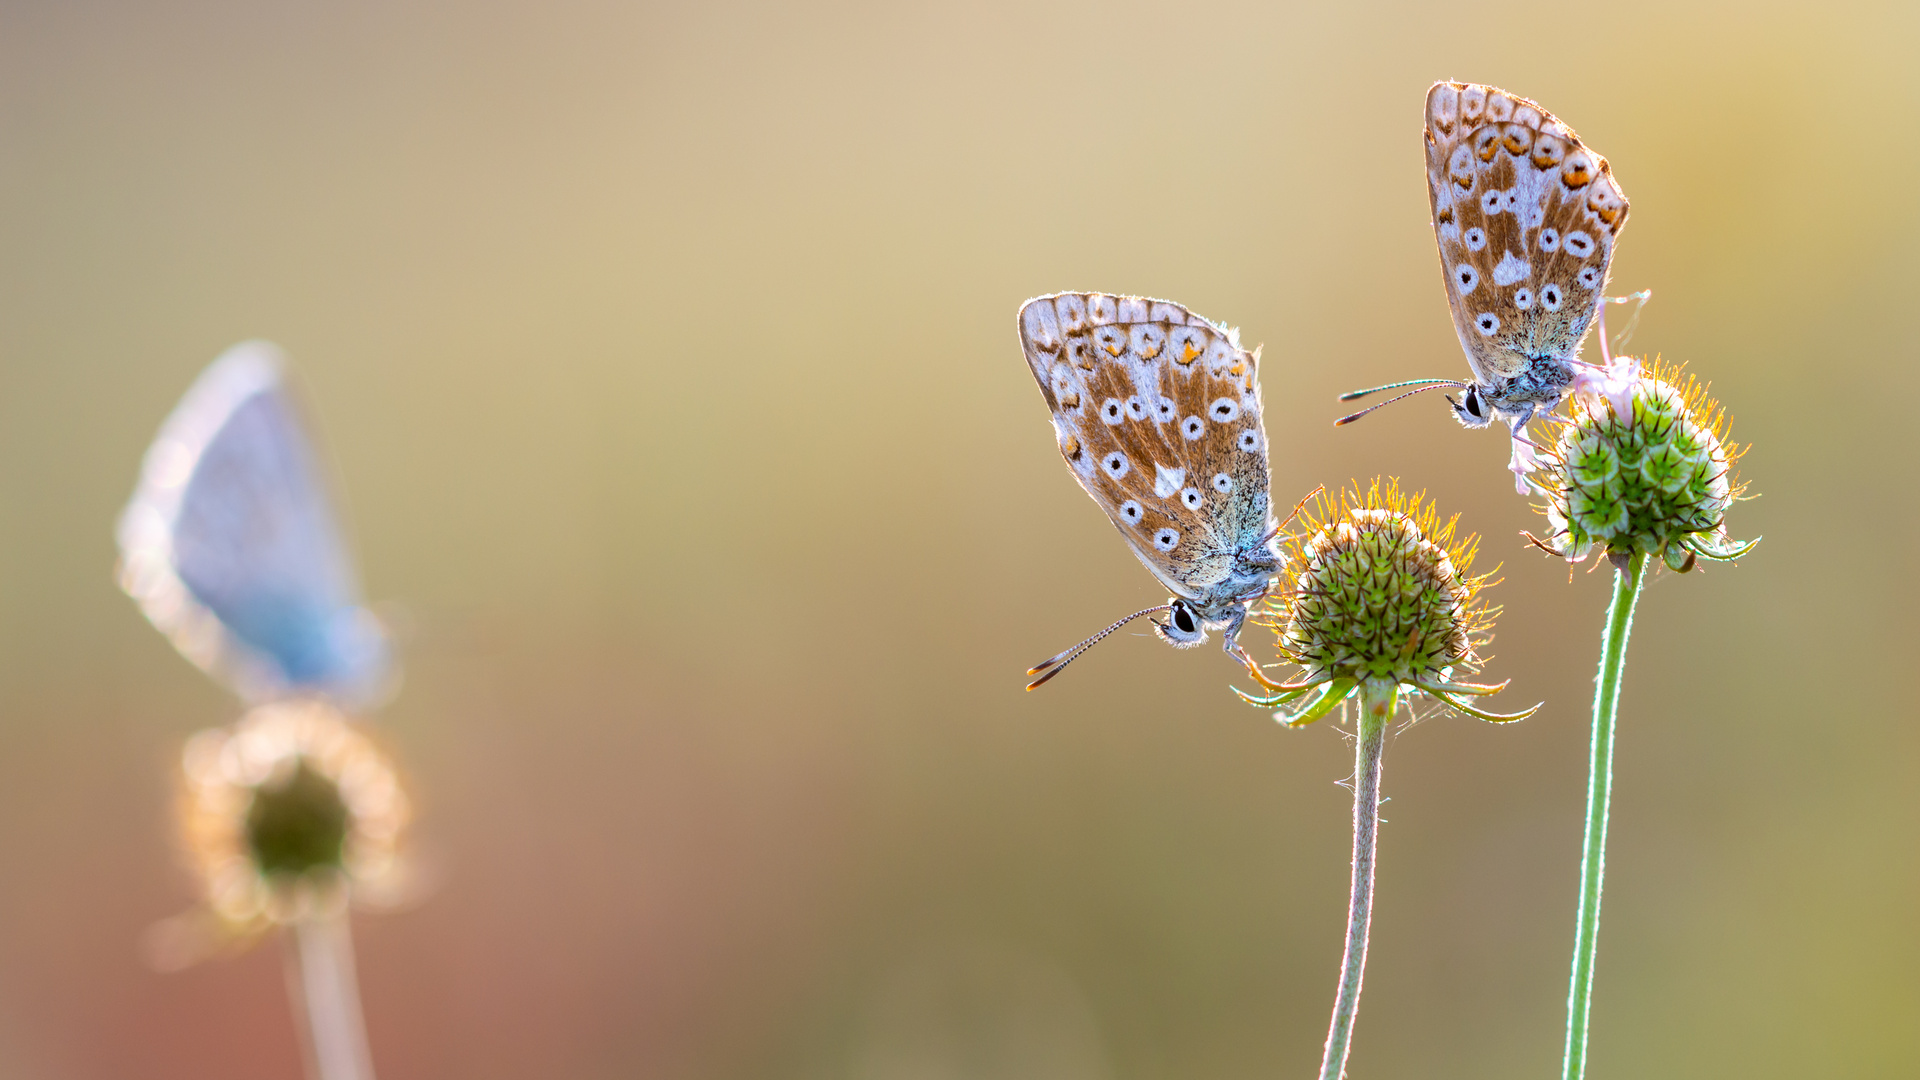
<point x="1377" y="700"/>
<point x="1593" y="859"/>
<point x="327" y="997"/>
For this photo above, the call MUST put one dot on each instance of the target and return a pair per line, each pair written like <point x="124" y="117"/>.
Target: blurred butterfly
<point x="1526" y="217"/>
<point x="1157" y="412"/>
<point x="231" y="547"/>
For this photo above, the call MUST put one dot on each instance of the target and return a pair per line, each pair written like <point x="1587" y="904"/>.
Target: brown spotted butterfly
<point x="1526" y="217"/>
<point x="1157" y="412"/>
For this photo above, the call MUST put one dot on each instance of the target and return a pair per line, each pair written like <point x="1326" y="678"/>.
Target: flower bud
<point x="287" y="812"/>
<point x="1379" y="591"/>
<point x="1641" y="469"/>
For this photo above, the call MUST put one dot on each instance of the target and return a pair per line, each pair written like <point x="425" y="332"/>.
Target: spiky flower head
<point x="1379" y="591"/>
<point x="288" y="813"/>
<point x="1642" y="467"/>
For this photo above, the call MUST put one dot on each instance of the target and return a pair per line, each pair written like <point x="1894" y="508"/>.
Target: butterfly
<point x="1157" y="413"/>
<point x="231" y="547"/>
<point x="1526" y="218"/>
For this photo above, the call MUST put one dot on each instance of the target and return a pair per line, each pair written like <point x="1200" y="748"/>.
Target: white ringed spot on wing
<point x="1487" y="323"/>
<point x="1467" y="277"/>
<point x="1222" y="483"/>
<point x="1190" y="498"/>
<point x="1578" y="244"/>
<point x="1130" y="512"/>
<point x="1223" y="410"/>
<point x="1476" y="238"/>
<point x="1163" y="411"/>
<point x="1549" y="240"/>
<point x="1166" y="539"/>
<point x="1550" y="297"/>
<point x="1523" y="298"/>
<point x="1193" y="427"/>
<point x="1116" y="464"/>
<point x="1147" y="340"/>
<point x="1112" y="411"/>
<point x="1136" y="408"/>
<point x="1249" y="440"/>
<point x="1588" y="277"/>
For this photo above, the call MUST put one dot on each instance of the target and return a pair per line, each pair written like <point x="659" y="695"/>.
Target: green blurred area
<point x="667" y="356"/>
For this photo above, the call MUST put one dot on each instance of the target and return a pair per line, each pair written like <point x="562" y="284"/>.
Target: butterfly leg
<point x="1230" y="641"/>
<point x="1235" y="650"/>
<point x="1522" y="460"/>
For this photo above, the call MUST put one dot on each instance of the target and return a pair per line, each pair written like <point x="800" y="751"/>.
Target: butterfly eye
<point x="1549" y="240"/>
<point x="1115" y="464"/>
<point x="1222" y="483"/>
<point x="1183" y="620"/>
<point x="1224" y="410"/>
<point x="1111" y="410"/>
<point x="1166" y="540"/>
<point x="1192" y="427"/>
<point x="1190" y="497"/>
<point x="1130" y="511"/>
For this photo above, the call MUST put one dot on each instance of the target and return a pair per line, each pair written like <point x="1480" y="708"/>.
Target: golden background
<point x="667" y="356"/>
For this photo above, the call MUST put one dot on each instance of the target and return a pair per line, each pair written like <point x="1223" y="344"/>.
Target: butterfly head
<point x="1473" y="409"/>
<point x="1183" y="627"/>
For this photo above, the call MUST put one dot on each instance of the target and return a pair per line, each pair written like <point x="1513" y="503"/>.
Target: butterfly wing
<point x="1526" y="217"/>
<point x="1157" y="412"/>
<point x="231" y="547"/>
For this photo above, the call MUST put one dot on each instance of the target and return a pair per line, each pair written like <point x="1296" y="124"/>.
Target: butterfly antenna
<point x="1052" y="666"/>
<point x="1356" y="395"/>
<point x="1430" y="384"/>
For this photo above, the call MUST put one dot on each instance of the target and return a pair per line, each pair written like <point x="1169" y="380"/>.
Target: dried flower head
<point x="289" y="813"/>
<point x="1381" y="591"/>
<point x="1642" y="467"/>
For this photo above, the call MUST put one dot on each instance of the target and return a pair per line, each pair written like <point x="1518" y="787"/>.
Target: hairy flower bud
<point x="1642" y="468"/>
<point x="1380" y="592"/>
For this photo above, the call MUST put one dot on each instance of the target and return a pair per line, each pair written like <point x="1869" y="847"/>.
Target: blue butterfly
<point x="231" y="547"/>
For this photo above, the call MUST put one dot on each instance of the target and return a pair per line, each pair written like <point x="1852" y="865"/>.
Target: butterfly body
<point x="1525" y="217"/>
<point x="1157" y="413"/>
<point x="231" y="547"/>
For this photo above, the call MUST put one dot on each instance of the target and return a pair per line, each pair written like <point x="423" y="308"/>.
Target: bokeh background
<point x="666" y="355"/>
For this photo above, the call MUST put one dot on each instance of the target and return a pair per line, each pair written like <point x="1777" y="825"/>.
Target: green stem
<point x="1593" y="859"/>
<point x="1377" y="700"/>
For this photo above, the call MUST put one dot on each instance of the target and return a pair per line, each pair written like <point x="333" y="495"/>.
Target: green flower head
<point x="1381" y="591"/>
<point x="1643" y="467"/>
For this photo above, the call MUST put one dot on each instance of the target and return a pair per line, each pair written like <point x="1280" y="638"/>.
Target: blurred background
<point x="667" y="358"/>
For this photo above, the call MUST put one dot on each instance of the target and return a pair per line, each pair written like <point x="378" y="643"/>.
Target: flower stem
<point x="327" y="997"/>
<point x="1593" y="860"/>
<point x="1377" y="700"/>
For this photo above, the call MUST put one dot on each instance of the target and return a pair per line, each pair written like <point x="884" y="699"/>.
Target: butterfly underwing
<point x="1526" y="217"/>
<point x="1157" y="413"/>
<point x="231" y="546"/>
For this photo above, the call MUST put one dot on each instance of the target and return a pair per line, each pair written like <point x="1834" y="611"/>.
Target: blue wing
<point x="231" y="547"/>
